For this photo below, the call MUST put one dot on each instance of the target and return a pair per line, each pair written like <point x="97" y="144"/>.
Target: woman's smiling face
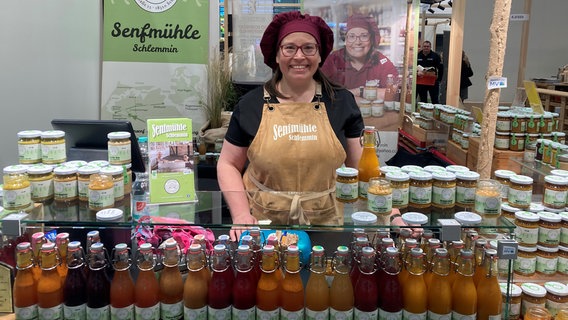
<point x="298" y="66"/>
<point x="358" y="42"/>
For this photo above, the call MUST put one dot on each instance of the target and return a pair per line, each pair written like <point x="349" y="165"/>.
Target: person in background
<point x="293" y="132"/>
<point x="430" y="62"/>
<point x="359" y="61"/>
<point x="466" y="73"/>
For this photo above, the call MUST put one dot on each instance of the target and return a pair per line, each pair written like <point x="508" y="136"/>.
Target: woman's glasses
<point x="364" y="37"/>
<point x="308" y="49"/>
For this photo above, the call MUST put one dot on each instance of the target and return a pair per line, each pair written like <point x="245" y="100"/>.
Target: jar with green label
<point x="534" y="295"/>
<point x="517" y="142"/>
<point x="503" y="177"/>
<point x="41" y="182"/>
<point x="53" y="147"/>
<point x="29" y="146"/>
<point x="400" y="184"/>
<point x="518" y="123"/>
<point x="533" y="125"/>
<point x="83" y="179"/>
<point x="443" y="189"/>
<point x="347" y="185"/>
<point x="549" y="228"/>
<point x="525" y="264"/>
<point x="119" y="147"/>
<point x="488" y="198"/>
<point x="546" y="260"/>
<point x="520" y="191"/>
<point x="101" y="192"/>
<point x="556" y="296"/>
<point x="564" y="228"/>
<point x="17" y="190"/>
<point x="466" y="183"/>
<point x="562" y="266"/>
<point x="65" y="183"/>
<point x="526" y="232"/>
<point x="420" y="189"/>
<point x="379" y="198"/>
<point x="514" y="304"/>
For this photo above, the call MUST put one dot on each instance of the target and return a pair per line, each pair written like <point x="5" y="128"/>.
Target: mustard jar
<point x="514" y="304"/>
<point x="119" y="147"/>
<point x="556" y="296"/>
<point x="443" y="189"/>
<point x="29" y="146"/>
<point x="503" y="176"/>
<point x="534" y="295"/>
<point x="526" y="232"/>
<point x="525" y="264"/>
<point x="41" y="182"/>
<point x="564" y="228"/>
<point x="65" y="183"/>
<point x="101" y="191"/>
<point x="546" y="260"/>
<point x="346" y="184"/>
<point x="520" y="191"/>
<point x="53" y="147"/>
<point x="17" y="191"/>
<point x="379" y="196"/>
<point x="400" y="184"/>
<point x="420" y="189"/>
<point x="83" y="179"/>
<point x="549" y="228"/>
<point x="488" y="198"/>
<point x="466" y="183"/>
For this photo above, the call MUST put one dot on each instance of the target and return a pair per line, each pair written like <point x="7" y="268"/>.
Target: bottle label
<point x="119" y="153"/>
<point x="420" y="195"/>
<point x="65" y="190"/>
<point x="292" y="315"/>
<point x="346" y="191"/>
<point x="26" y="313"/>
<point x="548" y="236"/>
<point x="379" y="203"/>
<point x="101" y="198"/>
<point x="413" y="316"/>
<point x="151" y="313"/>
<point x="118" y="189"/>
<point x="554" y="306"/>
<point x="364" y="315"/>
<point x="29" y="153"/>
<point x="196" y="314"/>
<point x="75" y="312"/>
<point x="460" y="316"/>
<point x="546" y="265"/>
<point x="437" y="316"/>
<point x="555" y="199"/>
<point x="41" y="189"/>
<point x="218" y="314"/>
<point x="54" y="313"/>
<point x="268" y="315"/>
<point x="443" y="196"/>
<point x="340" y="315"/>
<point x="526" y="235"/>
<point x="317" y="315"/>
<point x="385" y="315"/>
<point x="125" y="313"/>
<point x="98" y="313"/>
<point x="465" y="195"/>
<point x="171" y="311"/>
<point x="487" y="205"/>
<point x="524" y="265"/>
<point x="519" y="197"/>
<point x="51" y="153"/>
<point x="242" y="314"/>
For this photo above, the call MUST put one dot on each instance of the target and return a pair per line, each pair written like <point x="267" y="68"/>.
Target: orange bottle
<point x="25" y="285"/>
<point x="61" y="241"/>
<point x="49" y="289"/>
<point x="440" y="290"/>
<point x="479" y="256"/>
<point x="433" y="244"/>
<point x="369" y="162"/>
<point x="268" y="289"/>
<point x="317" y="289"/>
<point x="121" y="287"/>
<point x="489" y="298"/>
<point x="414" y="291"/>
<point x="200" y="239"/>
<point x="341" y="298"/>
<point x="171" y="283"/>
<point x="195" y="286"/>
<point x="38" y="239"/>
<point x="464" y="294"/>
<point x="292" y="294"/>
<point x="454" y="250"/>
<point x="147" y="289"/>
<point x="409" y="244"/>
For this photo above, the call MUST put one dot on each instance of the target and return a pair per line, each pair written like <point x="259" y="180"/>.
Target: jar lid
<point x="527" y="249"/>
<point x="420" y="175"/>
<point x="386" y="169"/>
<point x="444" y="175"/>
<point x="552" y="210"/>
<point x="118" y="135"/>
<point x="504" y="173"/>
<point x="16" y="169"/>
<point x="433" y="168"/>
<point x="52" y="134"/>
<point x="347" y="172"/>
<point x="468" y="175"/>
<point x="112" y="214"/>
<point x="500" y="133"/>
<point x="526" y="216"/>
<point x="547" y="115"/>
<point x="29" y="134"/>
<point x="364" y="101"/>
<point x="563" y="248"/>
<point x="413" y="218"/>
<point x="559" y="134"/>
<point x="99" y="163"/>
<point x="514" y="289"/>
<point x="507" y="207"/>
<point x="112" y="170"/>
<point x="372" y="83"/>
<point x="533" y="289"/>
<point x="362" y="218"/>
<point x="397" y="176"/>
<point x="559" y="172"/>
<point x="556" y="288"/>
<point x="556" y="180"/>
<point x="504" y="114"/>
<point x="536" y="207"/>
<point x="467" y="218"/>
<point x="127" y="166"/>
<point x="75" y="163"/>
<point x="411" y="168"/>
<point x="547" y="249"/>
<point x="549" y="216"/>
<point x="378" y="101"/>
<point x="563" y="215"/>
<point x="88" y="169"/>
<point x="457" y="168"/>
<point x="39" y="169"/>
<point x="520" y="179"/>
<point x="64" y="170"/>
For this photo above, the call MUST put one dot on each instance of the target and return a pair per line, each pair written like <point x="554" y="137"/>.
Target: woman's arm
<point x="229" y="175"/>
<point x="354" y="150"/>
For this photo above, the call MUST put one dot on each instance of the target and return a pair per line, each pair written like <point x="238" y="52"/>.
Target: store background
<point x="50" y="58"/>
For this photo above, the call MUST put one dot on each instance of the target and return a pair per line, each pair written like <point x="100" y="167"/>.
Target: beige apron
<point x="291" y="175"/>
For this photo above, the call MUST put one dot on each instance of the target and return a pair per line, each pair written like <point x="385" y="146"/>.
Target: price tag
<point x="519" y="17"/>
<point x="496" y="83"/>
<point x="534" y="98"/>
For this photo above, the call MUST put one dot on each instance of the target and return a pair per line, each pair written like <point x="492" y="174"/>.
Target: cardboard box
<point x="455" y="153"/>
<point x="502" y="160"/>
<point x="472" y="153"/>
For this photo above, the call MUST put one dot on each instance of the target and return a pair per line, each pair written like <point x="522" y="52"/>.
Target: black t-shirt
<point x="344" y="116"/>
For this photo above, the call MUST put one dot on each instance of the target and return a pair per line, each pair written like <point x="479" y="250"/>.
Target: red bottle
<point x="244" y="287"/>
<point x="220" y="291"/>
<point x="75" y="286"/>
<point x="366" y="289"/>
<point x="256" y="255"/>
<point x="98" y="285"/>
<point x="360" y="243"/>
<point x="390" y="291"/>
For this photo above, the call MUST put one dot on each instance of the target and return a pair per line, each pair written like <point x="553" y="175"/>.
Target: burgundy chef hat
<point x="285" y="23"/>
<point x="358" y="20"/>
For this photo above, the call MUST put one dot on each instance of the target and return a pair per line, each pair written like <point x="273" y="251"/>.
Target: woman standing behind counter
<point x="294" y="132"/>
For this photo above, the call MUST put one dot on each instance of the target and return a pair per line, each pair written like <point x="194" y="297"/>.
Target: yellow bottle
<point x="489" y="298"/>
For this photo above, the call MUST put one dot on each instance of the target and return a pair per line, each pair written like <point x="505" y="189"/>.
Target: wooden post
<point x="498" y="39"/>
<point x="405" y="64"/>
<point x="455" y="54"/>
<point x="524" y="45"/>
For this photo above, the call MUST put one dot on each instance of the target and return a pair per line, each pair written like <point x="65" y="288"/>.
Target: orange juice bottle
<point x="433" y="244"/>
<point x="49" y="289"/>
<point x="409" y="244"/>
<point x="464" y="294"/>
<point x="440" y="290"/>
<point x="268" y="288"/>
<point x="489" y="298"/>
<point x="341" y="291"/>
<point x="195" y="286"/>
<point x="454" y="249"/>
<point x="61" y="241"/>
<point x="200" y="239"/>
<point x="147" y="288"/>
<point x="38" y="239"/>
<point x="415" y="294"/>
<point x="25" y="285"/>
<point x="122" y="285"/>
<point x="292" y="294"/>
<point x="317" y="289"/>
<point x="479" y="256"/>
<point x="171" y="283"/>
<point x="369" y="162"/>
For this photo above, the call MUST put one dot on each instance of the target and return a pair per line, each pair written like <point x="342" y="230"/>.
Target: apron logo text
<point x="284" y="130"/>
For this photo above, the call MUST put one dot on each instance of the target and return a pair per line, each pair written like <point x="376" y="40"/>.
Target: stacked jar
<point x="519" y="128"/>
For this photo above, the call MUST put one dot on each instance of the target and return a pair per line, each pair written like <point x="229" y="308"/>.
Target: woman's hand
<point x="239" y="221"/>
<point x="396" y="220"/>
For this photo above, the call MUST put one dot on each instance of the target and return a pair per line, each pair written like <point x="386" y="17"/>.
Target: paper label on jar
<point x="197" y="314"/>
<point x="546" y="265"/>
<point x="514" y="309"/>
<point x="400" y="197"/>
<point x="379" y="203"/>
<point x="487" y="205"/>
<point x="346" y="191"/>
<point x="26" y="313"/>
<point x="340" y="315"/>
<point x="562" y="266"/>
<point x="101" y="198"/>
<point x="420" y="195"/>
<point x="554" y="306"/>
<point x="17" y="198"/>
<point x="385" y="315"/>
<point x="555" y="199"/>
<point x="519" y="198"/>
<point x="548" y="236"/>
<point x="29" y="153"/>
<point x="503" y="125"/>
<point x="527" y="304"/>
<point x="414" y="316"/>
<point x="526" y="235"/>
<point x="443" y="196"/>
<point x="65" y="189"/>
<point x="465" y="195"/>
<point x="363" y="188"/>
<point x="502" y="143"/>
<point x="119" y="153"/>
<point x="524" y="266"/>
<point x="42" y="189"/>
<point x="118" y="189"/>
<point x="83" y="189"/>
<point x="564" y="236"/>
<point x="53" y="152"/>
